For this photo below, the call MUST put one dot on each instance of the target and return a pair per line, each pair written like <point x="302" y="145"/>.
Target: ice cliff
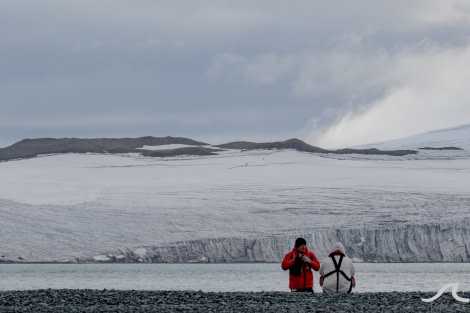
<point x="447" y="241"/>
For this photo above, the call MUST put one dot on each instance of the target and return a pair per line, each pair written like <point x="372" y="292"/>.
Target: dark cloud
<point x="224" y="70"/>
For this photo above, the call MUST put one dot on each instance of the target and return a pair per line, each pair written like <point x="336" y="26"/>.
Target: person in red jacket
<point x="300" y="262"/>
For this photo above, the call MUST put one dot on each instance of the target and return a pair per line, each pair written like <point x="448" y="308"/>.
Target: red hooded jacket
<point x="304" y="279"/>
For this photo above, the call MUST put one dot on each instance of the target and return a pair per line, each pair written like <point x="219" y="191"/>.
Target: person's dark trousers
<point x="302" y="290"/>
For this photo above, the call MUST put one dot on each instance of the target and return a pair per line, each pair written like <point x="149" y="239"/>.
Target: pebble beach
<point x="87" y="300"/>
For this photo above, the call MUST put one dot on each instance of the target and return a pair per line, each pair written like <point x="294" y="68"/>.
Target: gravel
<point x="86" y="300"/>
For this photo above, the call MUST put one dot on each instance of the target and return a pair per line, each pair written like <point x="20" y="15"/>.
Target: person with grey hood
<point x="337" y="271"/>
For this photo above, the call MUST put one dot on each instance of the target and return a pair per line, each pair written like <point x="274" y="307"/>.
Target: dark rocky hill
<point x="299" y="145"/>
<point x="30" y="148"/>
<point x="295" y="144"/>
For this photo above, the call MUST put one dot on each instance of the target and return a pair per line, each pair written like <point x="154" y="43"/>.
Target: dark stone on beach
<point x="84" y="301"/>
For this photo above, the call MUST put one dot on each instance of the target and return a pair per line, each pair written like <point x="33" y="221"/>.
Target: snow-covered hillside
<point x="449" y="137"/>
<point x="88" y="207"/>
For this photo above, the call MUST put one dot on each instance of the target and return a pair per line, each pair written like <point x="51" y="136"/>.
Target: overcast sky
<point x="332" y="73"/>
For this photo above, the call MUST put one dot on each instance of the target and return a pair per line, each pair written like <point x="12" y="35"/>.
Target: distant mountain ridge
<point x="30" y="148"/>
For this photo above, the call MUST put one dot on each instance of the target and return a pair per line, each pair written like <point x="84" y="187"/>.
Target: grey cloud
<point x="232" y="68"/>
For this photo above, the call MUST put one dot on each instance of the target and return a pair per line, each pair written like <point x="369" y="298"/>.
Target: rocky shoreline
<point x="86" y="300"/>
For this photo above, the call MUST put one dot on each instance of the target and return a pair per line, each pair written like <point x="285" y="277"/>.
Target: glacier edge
<point x="445" y="241"/>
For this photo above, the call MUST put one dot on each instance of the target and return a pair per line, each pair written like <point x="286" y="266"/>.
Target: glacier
<point x="440" y="242"/>
<point x="238" y="206"/>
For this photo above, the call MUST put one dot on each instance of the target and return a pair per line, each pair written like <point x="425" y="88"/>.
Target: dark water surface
<point x="370" y="277"/>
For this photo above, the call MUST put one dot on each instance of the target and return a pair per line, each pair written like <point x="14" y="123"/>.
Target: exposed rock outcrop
<point x="440" y="148"/>
<point x="30" y="148"/>
<point x="299" y="145"/>
<point x="295" y="144"/>
<point x="180" y="151"/>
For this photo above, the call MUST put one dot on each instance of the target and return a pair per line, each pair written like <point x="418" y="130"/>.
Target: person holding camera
<point x="300" y="262"/>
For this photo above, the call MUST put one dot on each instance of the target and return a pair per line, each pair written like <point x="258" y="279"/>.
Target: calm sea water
<point x="370" y="277"/>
